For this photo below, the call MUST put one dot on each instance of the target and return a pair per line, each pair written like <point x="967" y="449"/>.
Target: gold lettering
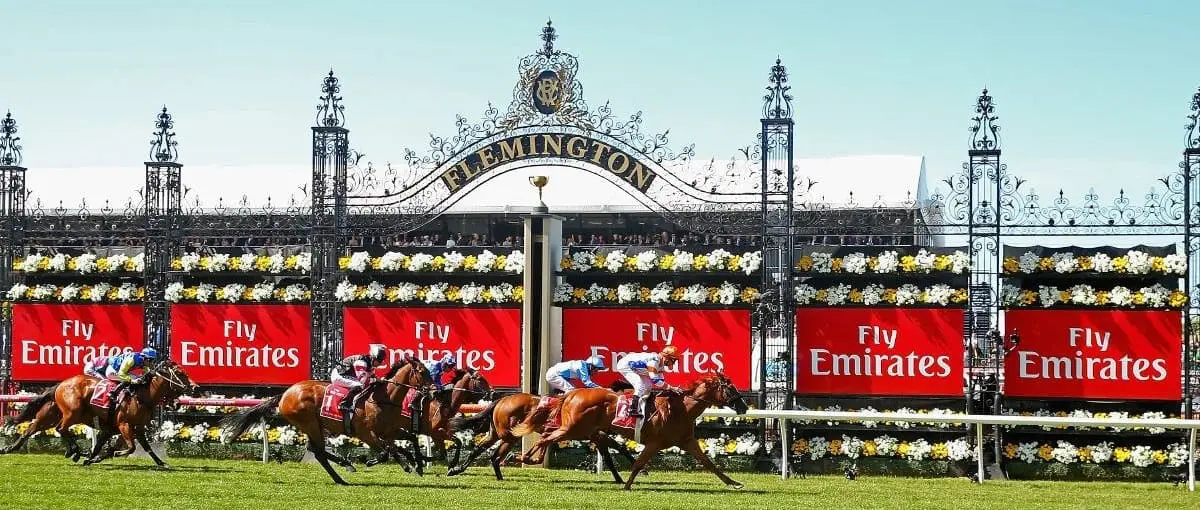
<point x="510" y="151"/>
<point x="468" y="172"/>
<point x="640" y="177"/>
<point x="577" y="150"/>
<point x="612" y="166"/>
<point x="600" y="148"/>
<point x="533" y="151"/>
<point x="552" y="142"/>
<point x="450" y="177"/>
<point x="486" y="158"/>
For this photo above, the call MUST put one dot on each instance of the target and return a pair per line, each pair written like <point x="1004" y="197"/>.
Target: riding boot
<point x="635" y="410"/>
<point x="113" y="397"/>
<point x="347" y="409"/>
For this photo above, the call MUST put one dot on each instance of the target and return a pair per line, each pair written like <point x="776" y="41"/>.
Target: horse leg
<point x="140" y="434"/>
<point x="103" y="435"/>
<point x="607" y="458"/>
<point x="416" y="457"/>
<point x="475" y="454"/>
<point x="458" y="446"/>
<point x="316" y="445"/>
<point x="41" y="421"/>
<point x="127" y="435"/>
<point x="619" y="448"/>
<point x="643" y="459"/>
<point x="693" y="447"/>
<point x="500" y="454"/>
<point x="543" y="444"/>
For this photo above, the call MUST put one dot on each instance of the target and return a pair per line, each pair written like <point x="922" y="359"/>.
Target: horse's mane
<point x="395" y="368"/>
<point x="460" y="373"/>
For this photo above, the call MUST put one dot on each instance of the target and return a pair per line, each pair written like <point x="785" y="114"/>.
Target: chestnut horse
<point x="377" y="412"/>
<point x="435" y="414"/>
<point x="501" y="416"/>
<point x="586" y="413"/>
<point x="164" y="383"/>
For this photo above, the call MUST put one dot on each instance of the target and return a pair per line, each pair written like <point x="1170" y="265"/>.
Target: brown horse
<point x="586" y="413"/>
<point x="377" y="412"/>
<point x="499" y="419"/>
<point x="434" y="418"/>
<point x="72" y="406"/>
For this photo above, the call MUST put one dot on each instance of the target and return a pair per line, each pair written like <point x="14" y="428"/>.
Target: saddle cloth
<point x="100" y="395"/>
<point x="331" y="405"/>
<point x="555" y="420"/>
<point x="406" y="409"/>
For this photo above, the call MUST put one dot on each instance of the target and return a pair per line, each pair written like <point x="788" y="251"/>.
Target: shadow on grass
<point x="151" y="467"/>
<point x="418" y="485"/>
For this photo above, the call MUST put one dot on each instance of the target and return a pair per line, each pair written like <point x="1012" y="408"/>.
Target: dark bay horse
<point x="377" y="413"/>
<point x="586" y="413"/>
<point x="435" y="415"/>
<point x="502" y="416"/>
<point x="162" y="384"/>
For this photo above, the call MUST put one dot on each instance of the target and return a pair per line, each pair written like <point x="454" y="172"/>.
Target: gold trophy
<point x="539" y="182"/>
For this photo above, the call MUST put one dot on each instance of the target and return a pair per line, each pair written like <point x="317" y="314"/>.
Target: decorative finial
<point x="1193" y="136"/>
<point x="985" y="124"/>
<point x="548" y="37"/>
<point x="10" y="150"/>
<point x="162" y="146"/>
<point x="777" y="103"/>
<point x="330" y="113"/>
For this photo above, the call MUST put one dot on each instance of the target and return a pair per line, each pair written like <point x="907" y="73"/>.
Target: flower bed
<point x="177" y="292"/>
<point x="86" y="263"/>
<point x="447" y="262"/>
<point x="1134" y="262"/>
<point x="665" y="292"/>
<point x="1154" y="296"/>
<point x="1105" y="452"/>
<point x="718" y="260"/>
<point x="885" y="263"/>
<point x="245" y="263"/>
<point x="885" y="446"/>
<point x="467" y="294"/>
<point x="879" y="295"/>
<point x="76" y="293"/>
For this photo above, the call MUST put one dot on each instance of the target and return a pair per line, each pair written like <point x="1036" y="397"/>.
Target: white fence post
<point x="785" y="437"/>
<point x="979" y="451"/>
<point x="266" y="444"/>
<point x="1192" y="460"/>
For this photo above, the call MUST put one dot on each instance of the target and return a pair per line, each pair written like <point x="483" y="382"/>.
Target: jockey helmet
<point x="378" y="352"/>
<point x="595" y="361"/>
<point x="448" y="360"/>
<point x="670" y="353"/>
<point x="149" y="353"/>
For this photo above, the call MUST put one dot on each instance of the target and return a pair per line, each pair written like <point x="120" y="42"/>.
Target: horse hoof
<point x="350" y="468"/>
<point x="372" y="462"/>
<point x="736" y="486"/>
<point x="164" y="466"/>
<point x="76" y="457"/>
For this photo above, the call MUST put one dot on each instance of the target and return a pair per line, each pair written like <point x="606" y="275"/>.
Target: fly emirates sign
<point x="879" y="351"/>
<point x="51" y="342"/>
<point x="241" y="343"/>
<point x="708" y="340"/>
<point x="1109" y="354"/>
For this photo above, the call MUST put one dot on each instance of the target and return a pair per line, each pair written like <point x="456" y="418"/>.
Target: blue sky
<point x="1088" y="92"/>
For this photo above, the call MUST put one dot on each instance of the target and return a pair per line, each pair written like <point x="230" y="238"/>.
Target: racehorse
<point x="164" y="383"/>
<point x="44" y="414"/>
<point x="501" y="416"/>
<point x="376" y="413"/>
<point x="586" y="413"/>
<point x="433" y="417"/>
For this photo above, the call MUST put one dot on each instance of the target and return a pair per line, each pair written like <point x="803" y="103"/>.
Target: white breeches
<point x="336" y="378"/>
<point x="641" y="383"/>
<point x="112" y="375"/>
<point x="557" y="382"/>
<point x="90" y="370"/>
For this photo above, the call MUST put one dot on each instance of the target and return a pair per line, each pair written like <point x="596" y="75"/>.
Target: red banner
<point x="708" y="340"/>
<point x="1101" y="354"/>
<point x="225" y="343"/>
<point x="51" y="342"/>
<point x="879" y="351"/>
<point x="485" y="339"/>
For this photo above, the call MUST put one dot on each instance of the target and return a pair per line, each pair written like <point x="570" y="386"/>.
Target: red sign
<point x="485" y="339"/>
<point x="220" y="343"/>
<point x="1102" y="354"/>
<point x="51" y="342"/>
<point x="879" y="351"/>
<point x="708" y="340"/>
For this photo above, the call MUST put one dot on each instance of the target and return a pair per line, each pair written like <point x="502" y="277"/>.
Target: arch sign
<point x="549" y="145"/>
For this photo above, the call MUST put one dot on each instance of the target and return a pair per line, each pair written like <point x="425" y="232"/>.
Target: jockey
<point x="96" y="367"/>
<point x="645" y="369"/>
<point x="437" y="368"/>
<point x="355" y="373"/>
<point x="119" y="368"/>
<point x="559" y="374"/>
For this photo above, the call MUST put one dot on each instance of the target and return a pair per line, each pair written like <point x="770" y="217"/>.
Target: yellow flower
<point x="1045" y="264"/>
<point x="889" y="295"/>
<point x="176" y="264"/>
<point x="800" y="446"/>
<point x="439" y="263"/>
<point x="750" y="295"/>
<point x="102" y="264"/>
<point x="1102" y="297"/>
<point x="185" y="433"/>
<point x="376" y="263"/>
<point x="1158" y="265"/>
<point x="290" y="263"/>
<point x="856" y="296"/>
<point x="610" y="295"/>
<point x="1045" y="452"/>
<point x="1011" y="265"/>
<point x="1122" y="454"/>
<point x="1010" y="451"/>
<point x="734" y="263"/>
<point x="908" y="263"/>
<point x="1084" y="263"/>
<point x="730" y="447"/>
<point x="630" y="444"/>
<point x="666" y="262"/>
<point x="392" y="294"/>
<point x="941" y="262"/>
<point x="519" y="293"/>
<point x="940" y="451"/>
<point x="343" y="263"/>
<point x="1139" y="298"/>
<point x="1159" y="456"/>
<point x="1064" y="296"/>
<point x="1177" y="299"/>
<point x="214" y="433"/>
<point x="1120" y="264"/>
<point x="835" y="265"/>
<point x="902" y="449"/>
<point x="565" y="263"/>
<point x="873" y="263"/>
<point x="869" y="448"/>
<point x="1028" y="297"/>
<point x="644" y="294"/>
<point x="835" y="447"/>
<point x="959" y="296"/>
<point x="700" y="262"/>
<point x="453" y="293"/>
<point x="805" y="263"/>
<point x="578" y="294"/>
<point x="821" y="295"/>
<point x="272" y="435"/>
<point x="502" y="260"/>
<point x="1085" y="453"/>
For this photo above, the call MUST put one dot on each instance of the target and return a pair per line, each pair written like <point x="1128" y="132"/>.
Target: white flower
<point x="515" y="262"/>
<point x="1142" y="456"/>
<point x="1156" y="295"/>
<point x="471" y="293"/>
<point x="86" y="263"/>
<point x="908" y="294"/>
<point x="1028" y="263"/>
<point x="454" y="262"/>
<point x="436" y="293"/>
<point x="345" y="291"/>
<point x="646" y="261"/>
<point x="805" y="293"/>
<point x="1010" y="295"/>
<point x="173" y="292"/>
<point x="851" y="446"/>
<point x="1120" y="296"/>
<point x="504" y="292"/>
<point x="390" y="261"/>
<point x="359" y="261"/>
<point x="873" y="294"/>
<point x="1101" y="453"/>
<point x="683" y="261"/>
<point x="817" y="448"/>
<point x="959" y="449"/>
<point x="582" y="260"/>
<point x="1083" y="294"/>
<point x="99" y="291"/>
<point x="406" y="291"/>
<point x="189" y="261"/>
<point x="887" y="262"/>
<point x="376" y="291"/>
<point x="595" y="294"/>
<point x="1047" y="295"/>
<point x="304" y="262"/>
<point x="233" y="292"/>
<point x="919" y="449"/>
<point x="925" y="260"/>
<point x="855" y="263"/>
<point x="728" y="293"/>
<point x="885" y="445"/>
<point x="661" y="293"/>
<point x="695" y="294"/>
<point x="959" y="263"/>
<point x="68" y="293"/>
<point x="822" y="262"/>
<point x="563" y="293"/>
<point x="751" y="261"/>
<point x="58" y="262"/>
<point x="614" y="261"/>
<point x="30" y="263"/>
<point x="246" y="262"/>
<point x="264" y="291"/>
<point x="1065" y="452"/>
<point x="17" y="291"/>
<point x="485" y="261"/>
<point x="420" y="262"/>
<point x="218" y="262"/>
<point x="718" y="258"/>
<point x="628" y="292"/>
<point x="838" y="294"/>
<point x="275" y="263"/>
<point x="1064" y="262"/>
<point x="1139" y="262"/>
<point x="939" y="294"/>
<point x="1102" y="263"/>
<point x="126" y="292"/>
<point x="116" y="263"/>
<point x="1177" y="454"/>
<point x="1028" y="452"/>
<point x="1175" y="264"/>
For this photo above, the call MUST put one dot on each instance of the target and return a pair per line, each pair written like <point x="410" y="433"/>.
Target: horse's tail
<point x="478" y="423"/>
<point x="532" y="421"/>
<point x="35" y="406"/>
<point x="236" y="424"/>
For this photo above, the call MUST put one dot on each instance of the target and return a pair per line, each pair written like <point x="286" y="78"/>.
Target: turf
<point x="48" y="481"/>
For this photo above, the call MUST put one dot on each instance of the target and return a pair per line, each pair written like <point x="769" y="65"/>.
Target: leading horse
<point x="588" y="413"/>
<point x="375" y="415"/>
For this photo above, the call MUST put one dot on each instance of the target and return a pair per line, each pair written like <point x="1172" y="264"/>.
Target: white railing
<point x="787" y="417"/>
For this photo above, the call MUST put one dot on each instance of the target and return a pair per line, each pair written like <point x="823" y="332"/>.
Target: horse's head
<point x="175" y="378"/>
<point x="719" y="389"/>
<point x="410" y="372"/>
<point x="476" y="384"/>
